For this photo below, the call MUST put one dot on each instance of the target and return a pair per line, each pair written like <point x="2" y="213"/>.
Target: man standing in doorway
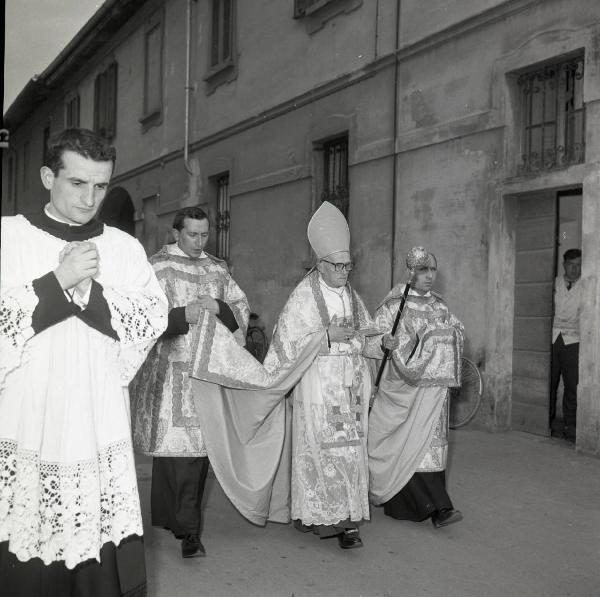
<point x="565" y="341"/>
<point x="165" y="422"/>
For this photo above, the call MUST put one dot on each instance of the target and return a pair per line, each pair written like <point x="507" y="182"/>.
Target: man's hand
<point x="390" y="342"/>
<point x="195" y="310"/>
<point x="340" y="333"/>
<point x="209" y="303"/>
<point x="78" y="262"/>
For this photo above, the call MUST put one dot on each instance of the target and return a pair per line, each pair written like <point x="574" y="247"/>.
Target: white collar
<point x="413" y="292"/>
<point x="339" y="290"/>
<point x="52" y="217"/>
<point x="176" y="250"/>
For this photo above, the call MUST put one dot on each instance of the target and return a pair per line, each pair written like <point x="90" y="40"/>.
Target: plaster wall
<point x="421" y="19"/>
<point x="280" y="57"/>
<point x="458" y="147"/>
<point x="442" y="205"/>
<point x="274" y="180"/>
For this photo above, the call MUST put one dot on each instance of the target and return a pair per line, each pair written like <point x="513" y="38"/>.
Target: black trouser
<point x="177" y="490"/>
<point x="424" y="495"/>
<point x="565" y="362"/>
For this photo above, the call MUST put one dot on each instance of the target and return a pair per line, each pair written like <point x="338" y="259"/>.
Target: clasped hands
<point x="195" y="309"/>
<point x="77" y="265"/>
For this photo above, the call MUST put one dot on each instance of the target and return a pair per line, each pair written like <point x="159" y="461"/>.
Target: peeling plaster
<point x="420" y="111"/>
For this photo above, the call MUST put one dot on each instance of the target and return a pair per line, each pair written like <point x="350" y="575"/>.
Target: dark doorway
<point x="546" y="221"/>
<point x="117" y="210"/>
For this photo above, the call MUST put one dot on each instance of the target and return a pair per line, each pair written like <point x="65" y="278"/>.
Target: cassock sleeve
<point x="138" y="308"/>
<point x="226" y="316"/>
<point x="177" y="324"/>
<point x="97" y="313"/>
<point x="237" y="307"/>
<point x="53" y="306"/>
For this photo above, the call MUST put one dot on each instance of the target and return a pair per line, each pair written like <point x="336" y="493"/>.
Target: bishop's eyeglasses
<point x="339" y="267"/>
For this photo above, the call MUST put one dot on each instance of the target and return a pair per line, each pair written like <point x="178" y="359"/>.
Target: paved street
<point x="531" y="529"/>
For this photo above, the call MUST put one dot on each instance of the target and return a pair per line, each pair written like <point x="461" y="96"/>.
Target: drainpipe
<point x="186" y="137"/>
<point x="395" y="129"/>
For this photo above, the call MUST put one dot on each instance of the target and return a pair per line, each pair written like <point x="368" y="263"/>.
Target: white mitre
<point x="328" y="231"/>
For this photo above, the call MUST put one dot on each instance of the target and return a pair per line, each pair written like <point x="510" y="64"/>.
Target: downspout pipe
<point x="188" y="89"/>
<point x="395" y="137"/>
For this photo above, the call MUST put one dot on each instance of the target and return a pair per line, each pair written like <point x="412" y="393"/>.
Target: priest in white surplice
<point x="81" y="307"/>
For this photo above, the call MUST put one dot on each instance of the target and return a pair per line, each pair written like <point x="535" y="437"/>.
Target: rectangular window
<point x="153" y="70"/>
<point x="221" y="48"/>
<point x="223" y="215"/>
<point x="12" y="178"/>
<point x="301" y="6"/>
<point x="72" y="113"/>
<point x="46" y="136"/>
<point x="105" y="102"/>
<point x="335" y="173"/>
<point x="25" y="165"/>
<point x="553" y="116"/>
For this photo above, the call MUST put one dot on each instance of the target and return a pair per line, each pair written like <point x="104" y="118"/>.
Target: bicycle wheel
<point x="256" y="343"/>
<point x="465" y="400"/>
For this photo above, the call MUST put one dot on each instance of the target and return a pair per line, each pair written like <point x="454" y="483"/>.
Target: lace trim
<point x="16" y="310"/>
<point x="66" y="512"/>
<point x="138" y="321"/>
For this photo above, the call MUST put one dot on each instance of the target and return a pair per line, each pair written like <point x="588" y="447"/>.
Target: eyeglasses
<point x="340" y="267"/>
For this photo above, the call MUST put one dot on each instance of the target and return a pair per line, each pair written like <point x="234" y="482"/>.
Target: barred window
<point x="105" y="102"/>
<point x="335" y="173"/>
<point x="223" y="215"/>
<point x="553" y="116"/>
<point x="72" y="110"/>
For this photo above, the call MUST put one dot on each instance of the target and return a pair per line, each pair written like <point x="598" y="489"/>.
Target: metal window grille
<point x="335" y="170"/>
<point x="553" y="116"/>
<point x="105" y="102"/>
<point x="221" y="49"/>
<point x="223" y="219"/>
<point x="72" y="113"/>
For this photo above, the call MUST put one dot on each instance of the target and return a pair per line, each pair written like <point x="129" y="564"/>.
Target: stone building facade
<point x="471" y="127"/>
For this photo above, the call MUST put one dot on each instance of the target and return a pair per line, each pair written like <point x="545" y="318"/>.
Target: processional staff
<point x="417" y="257"/>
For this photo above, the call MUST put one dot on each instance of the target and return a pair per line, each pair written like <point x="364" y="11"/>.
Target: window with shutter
<point x="105" y="102"/>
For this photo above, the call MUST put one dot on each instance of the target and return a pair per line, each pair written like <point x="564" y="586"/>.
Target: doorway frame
<point x="502" y="213"/>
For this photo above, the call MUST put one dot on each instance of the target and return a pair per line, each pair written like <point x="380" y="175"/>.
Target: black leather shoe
<point x="350" y="539"/>
<point x="178" y="535"/>
<point x="191" y="547"/>
<point x="303" y="528"/>
<point x="445" y="517"/>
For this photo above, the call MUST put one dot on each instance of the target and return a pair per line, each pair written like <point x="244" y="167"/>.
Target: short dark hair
<point x="571" y="254"/>
<point x="82" y="141"/>
<point x="195" y="213"/>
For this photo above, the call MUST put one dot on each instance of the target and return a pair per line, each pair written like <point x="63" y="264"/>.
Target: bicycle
<point x="466" y="399"/>
<point x="256" y="339"/>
